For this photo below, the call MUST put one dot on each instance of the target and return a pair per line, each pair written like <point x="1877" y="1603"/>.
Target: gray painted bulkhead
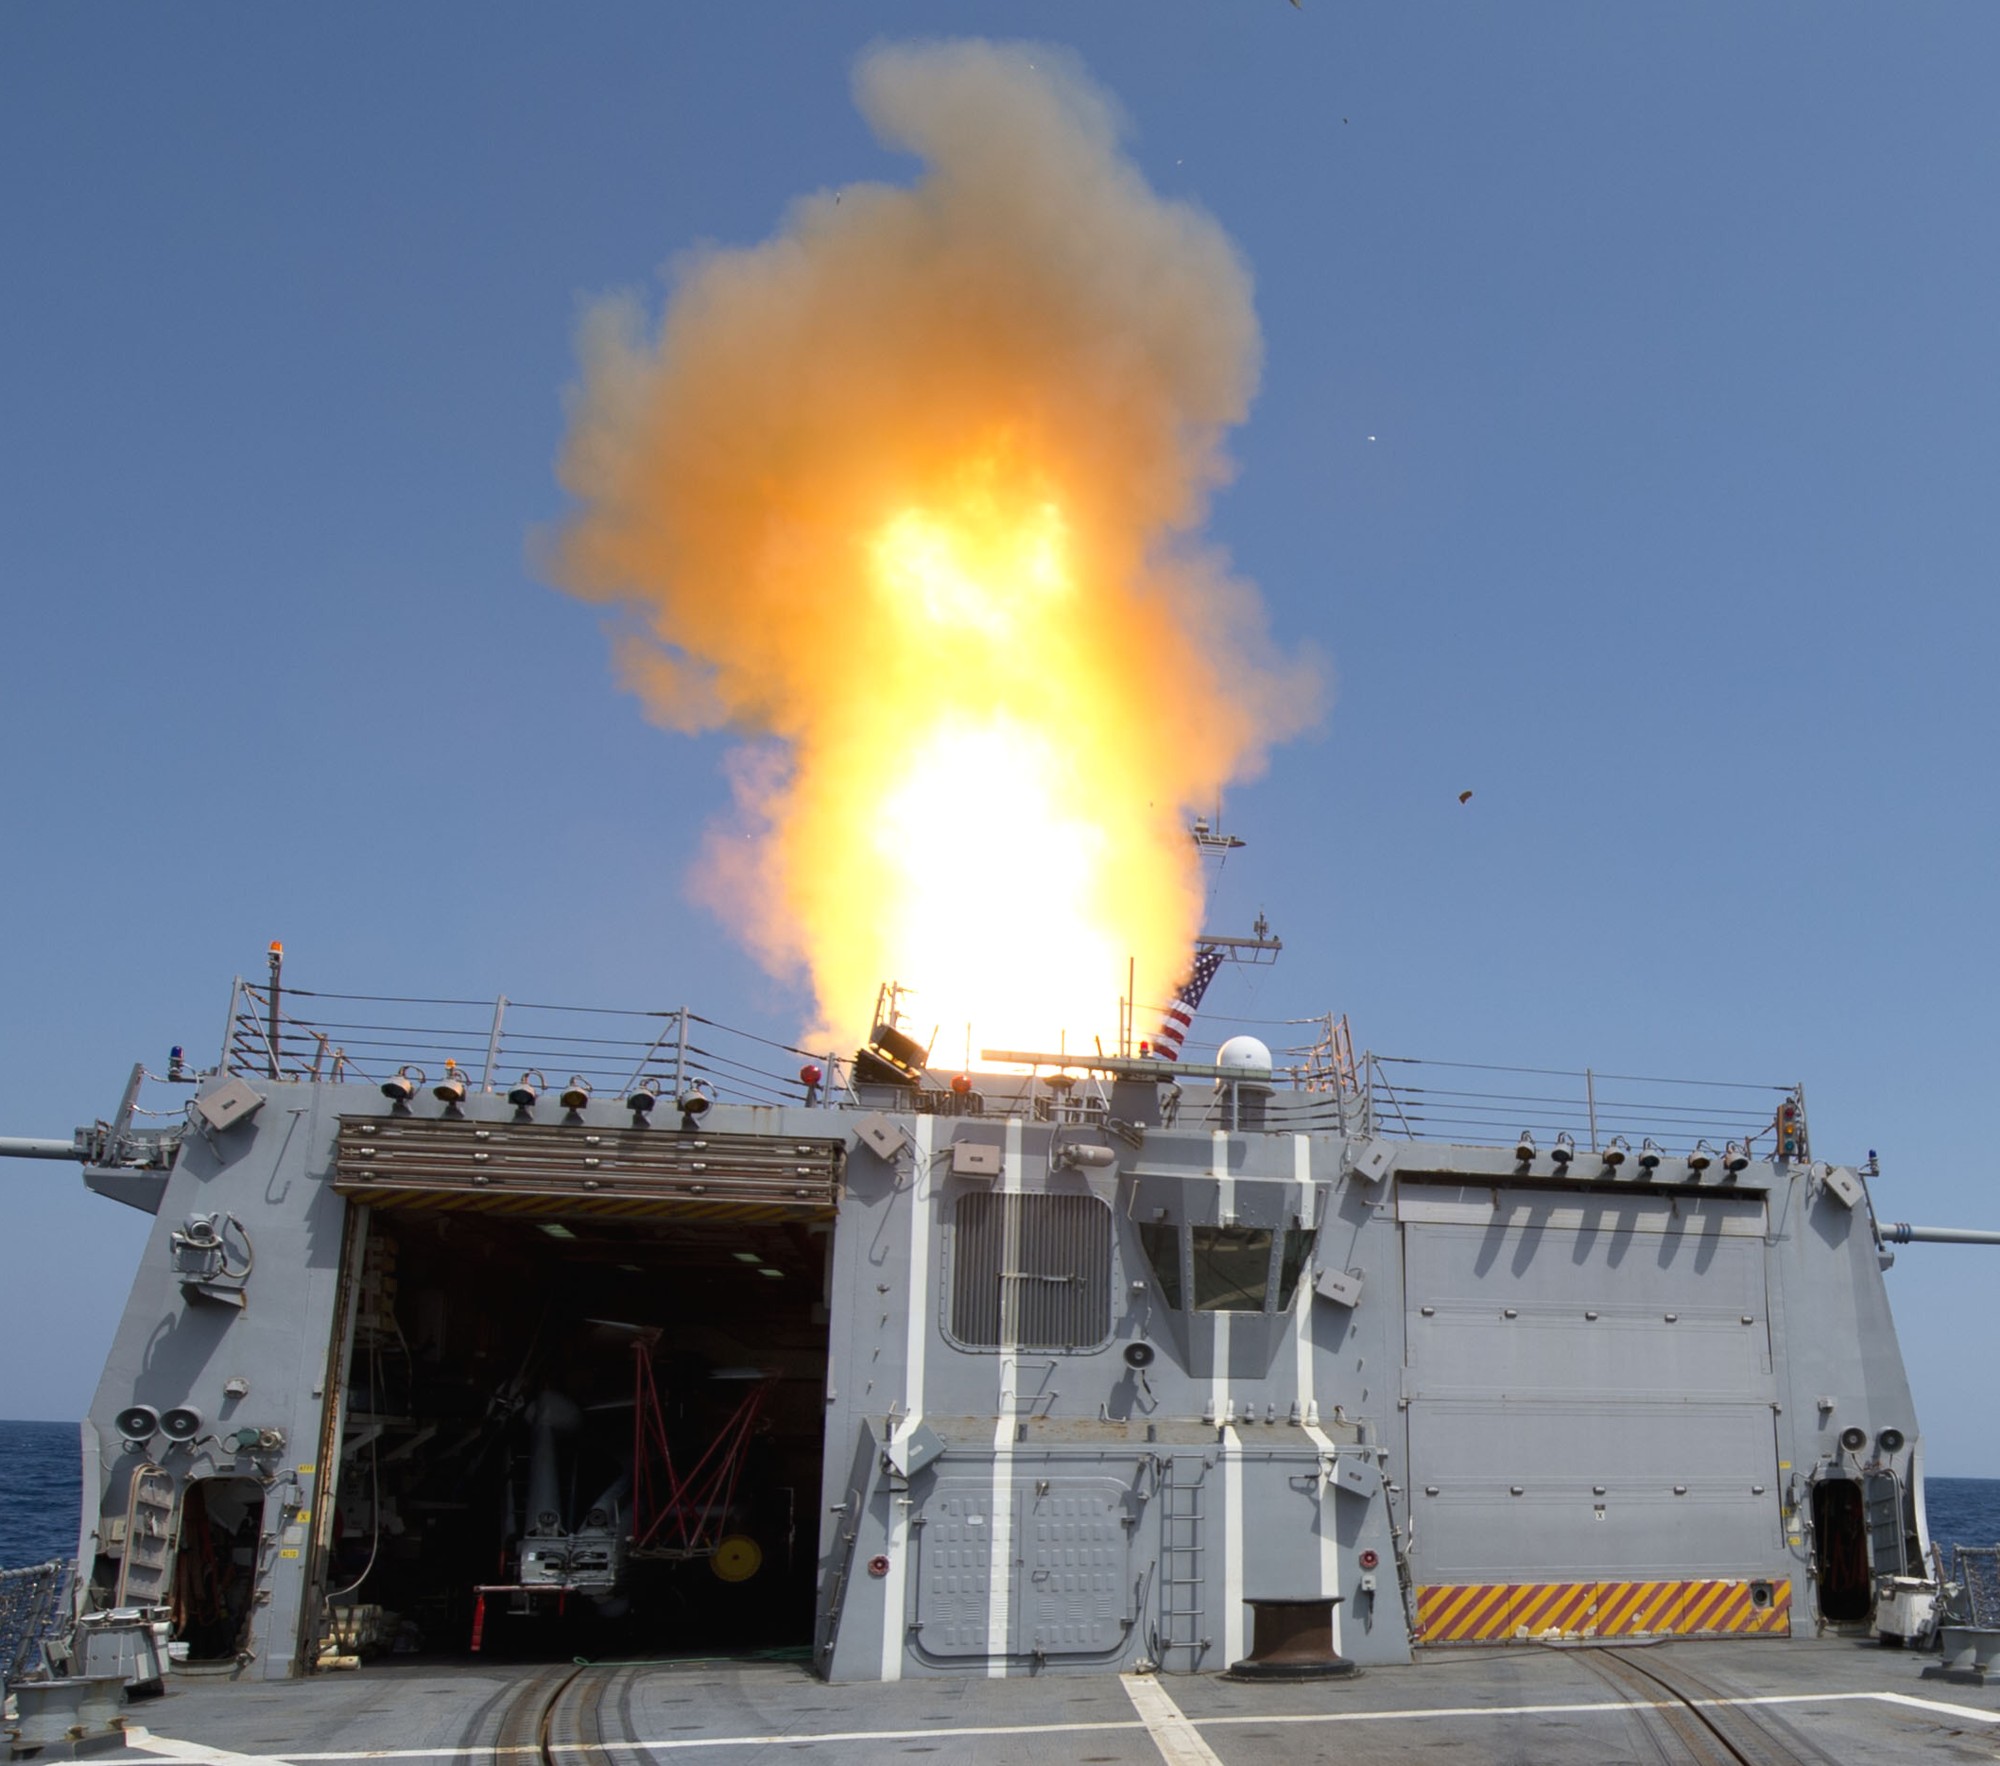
<point x="1031" y="1505"/>
<point x="175" y="1348"/>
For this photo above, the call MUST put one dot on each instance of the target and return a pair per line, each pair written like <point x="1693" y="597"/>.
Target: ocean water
<point x="41" y="1470"/>
<point x="1963" y="1511"/>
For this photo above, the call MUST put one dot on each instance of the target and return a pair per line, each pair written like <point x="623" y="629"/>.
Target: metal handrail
<point x="1466" y="1102"/>
<point x="509" y="1037"/>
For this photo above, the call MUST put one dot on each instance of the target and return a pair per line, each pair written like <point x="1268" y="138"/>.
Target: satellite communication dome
<point x="1245" y="1053"/>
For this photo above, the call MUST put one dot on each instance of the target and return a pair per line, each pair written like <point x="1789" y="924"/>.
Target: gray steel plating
<point x="1103" y="1368"/>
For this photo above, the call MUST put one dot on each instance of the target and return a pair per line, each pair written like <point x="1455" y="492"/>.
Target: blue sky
<point x="1672" y="328"/>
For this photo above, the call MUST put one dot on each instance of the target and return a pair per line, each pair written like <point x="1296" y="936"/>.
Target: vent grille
<point x="1031" y="1270"/>
<point x="517" y="1167"/>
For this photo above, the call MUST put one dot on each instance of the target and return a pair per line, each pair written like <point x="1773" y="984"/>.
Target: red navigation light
<point x="810" y="1074"/>
<point x="961" y="1083"/>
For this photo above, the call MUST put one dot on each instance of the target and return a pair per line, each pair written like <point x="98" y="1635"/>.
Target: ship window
<point x="1161" y="1241"/>
<point x="1031" y="1270"/>
<point x="1232" y="1268"/>
<point x="1298" y="1247"/>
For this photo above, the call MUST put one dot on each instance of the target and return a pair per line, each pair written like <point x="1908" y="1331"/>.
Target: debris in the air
<point x="1371" y="438"/>
<point x="1465" y="797"/>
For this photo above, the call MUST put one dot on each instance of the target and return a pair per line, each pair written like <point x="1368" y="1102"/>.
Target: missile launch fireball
<point x="908" y="496"/>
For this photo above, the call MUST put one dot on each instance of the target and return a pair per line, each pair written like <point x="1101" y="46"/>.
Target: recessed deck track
<point x="556" y="1716"/>
<point x="1690" y="1722"/>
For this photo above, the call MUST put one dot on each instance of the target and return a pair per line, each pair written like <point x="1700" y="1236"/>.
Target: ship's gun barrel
<point x="1901" y="1232"/>
<point x="18" y="1146"/>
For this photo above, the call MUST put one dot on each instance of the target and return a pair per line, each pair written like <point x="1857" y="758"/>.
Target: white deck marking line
<point x="917" y="1324"/>
<point x="1938" y="1705"/>
<point x="793" y="1738"/>
<point x="1178" y="1740"/>
<point x="136" y="1736"/>
<point x="789" y="1738"/>
<point x="1594" y="1705"/>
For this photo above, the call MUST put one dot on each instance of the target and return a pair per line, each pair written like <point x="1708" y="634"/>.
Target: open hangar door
<point x="585" y="1400"/>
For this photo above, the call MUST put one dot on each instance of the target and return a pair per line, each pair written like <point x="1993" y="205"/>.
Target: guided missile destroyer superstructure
<point x="1085" y="1365"/>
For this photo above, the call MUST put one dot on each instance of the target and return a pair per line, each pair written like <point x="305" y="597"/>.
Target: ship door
<point x="215" y="1566"/>
<point x="1840" y="1551"/>
<point x="1882" y="1494"/>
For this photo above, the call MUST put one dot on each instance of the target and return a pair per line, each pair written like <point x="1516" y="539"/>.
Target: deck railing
<point x="494" y="1042"/>
<point x="1481" y="1104"/>
<point x="34" y="1602"/>
<point x="1328" y="1085"/>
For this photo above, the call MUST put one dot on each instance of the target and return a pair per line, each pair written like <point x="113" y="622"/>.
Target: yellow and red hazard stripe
<point x="1734" y="1609"/>
<point x="1493" y="1612"/>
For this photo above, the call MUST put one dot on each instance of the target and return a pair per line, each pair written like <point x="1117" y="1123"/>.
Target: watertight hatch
<point x="1062" y="1553"/>
<point x="545" y="1168"/>
<point x="1882" y="1496"/>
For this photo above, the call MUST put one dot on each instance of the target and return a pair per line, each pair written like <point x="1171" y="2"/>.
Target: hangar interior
<point x="512" y="1365"/>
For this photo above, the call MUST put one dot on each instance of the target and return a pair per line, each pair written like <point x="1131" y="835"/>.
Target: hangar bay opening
<point x="583" y="1388"/>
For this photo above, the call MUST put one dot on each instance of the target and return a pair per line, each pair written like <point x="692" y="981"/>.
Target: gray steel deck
<point x="1825" y="1700"/>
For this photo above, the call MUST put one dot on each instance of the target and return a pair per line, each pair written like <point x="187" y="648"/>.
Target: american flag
<point x="1180" y="1015"/>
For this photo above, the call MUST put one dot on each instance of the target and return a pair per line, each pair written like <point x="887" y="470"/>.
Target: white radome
<point x="1245" y="1053"/>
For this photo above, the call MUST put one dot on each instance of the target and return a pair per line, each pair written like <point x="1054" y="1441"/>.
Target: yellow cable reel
<point x="737" y="1558"/>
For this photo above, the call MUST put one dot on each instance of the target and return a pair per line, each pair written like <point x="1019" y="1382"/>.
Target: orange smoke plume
<point x="906" y="495"/>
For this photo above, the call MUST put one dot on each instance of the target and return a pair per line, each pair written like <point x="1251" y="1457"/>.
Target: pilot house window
<point x="1232" y="1268"/>
<point x="1298" y="1247"/>
<point x="1232" y="1264"/>
<point x="1031" y="1270"/>
<point x="1161" y="1241"/>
